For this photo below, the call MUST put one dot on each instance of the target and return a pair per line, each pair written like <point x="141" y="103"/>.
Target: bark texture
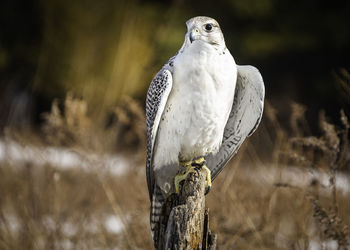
<point x="185" y="220"/>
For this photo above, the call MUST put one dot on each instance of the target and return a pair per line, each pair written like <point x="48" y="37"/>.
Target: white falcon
<point x="200" y="107"/>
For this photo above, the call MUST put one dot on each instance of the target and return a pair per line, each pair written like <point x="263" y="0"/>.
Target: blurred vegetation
<point x="78" y="71"/>
<point x="103" y="50"/>
<point x="285" y="189"/>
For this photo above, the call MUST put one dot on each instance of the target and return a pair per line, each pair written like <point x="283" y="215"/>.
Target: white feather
<point x="198" y="106"/>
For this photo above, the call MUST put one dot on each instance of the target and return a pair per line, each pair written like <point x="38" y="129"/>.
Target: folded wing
<point x="245" y="116"/>
<point x="156" y="99"/>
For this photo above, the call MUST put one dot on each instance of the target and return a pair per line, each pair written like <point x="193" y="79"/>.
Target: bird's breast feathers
<point x="198" y="106"/>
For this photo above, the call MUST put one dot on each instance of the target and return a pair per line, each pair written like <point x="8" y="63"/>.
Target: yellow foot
<point x="182" y="176"/>
<point x="200" y="163"/>
<point x="208" y="178"/>
<point x="190" y="168"/>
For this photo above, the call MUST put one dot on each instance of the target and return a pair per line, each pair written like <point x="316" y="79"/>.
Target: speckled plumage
<point x="199" y="104"/>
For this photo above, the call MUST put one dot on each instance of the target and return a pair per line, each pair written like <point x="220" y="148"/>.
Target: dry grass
<point x="46" y="208"/>
<point x="252" y="206"/>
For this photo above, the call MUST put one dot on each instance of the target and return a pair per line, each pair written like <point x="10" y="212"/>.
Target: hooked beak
<point x="194" y="34"/>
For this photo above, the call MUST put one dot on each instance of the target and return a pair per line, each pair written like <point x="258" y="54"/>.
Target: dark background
<point x="50" y="48"/>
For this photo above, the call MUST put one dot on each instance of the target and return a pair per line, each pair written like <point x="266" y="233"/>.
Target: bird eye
<point x="208" y="27"/>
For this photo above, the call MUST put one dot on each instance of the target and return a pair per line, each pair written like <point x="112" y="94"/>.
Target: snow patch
<point x="113" y="224"/>
<point x="62" y="158"/>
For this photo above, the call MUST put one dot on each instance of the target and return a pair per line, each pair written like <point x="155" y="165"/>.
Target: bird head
<point x="204" y="29"/>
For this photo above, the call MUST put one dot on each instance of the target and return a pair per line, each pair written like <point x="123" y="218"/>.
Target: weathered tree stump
<point x="185" y="220"/>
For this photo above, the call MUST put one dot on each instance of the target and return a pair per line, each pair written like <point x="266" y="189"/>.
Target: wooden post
<point x="184" y="220"/>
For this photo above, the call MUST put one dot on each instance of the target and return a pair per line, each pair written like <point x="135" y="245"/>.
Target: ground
<point x="65" y="197"/>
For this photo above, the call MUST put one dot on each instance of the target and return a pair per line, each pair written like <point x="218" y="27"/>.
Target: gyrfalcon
<point x="200" y="107"/>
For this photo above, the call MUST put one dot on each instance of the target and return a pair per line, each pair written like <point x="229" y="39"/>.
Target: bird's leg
<point x="200" y="163"/>
<point x="182" y="176"/>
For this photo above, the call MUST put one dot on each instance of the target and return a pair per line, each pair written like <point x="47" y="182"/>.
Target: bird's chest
<point x="200" y="101"/>
<point x="203" y="83"/>
<point x="200" y="78"/>
<point x="198" y="72"/>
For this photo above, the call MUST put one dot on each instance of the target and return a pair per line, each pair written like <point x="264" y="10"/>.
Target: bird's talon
<point x="208" y="179"/>
<point x="182" y="176"/>
<point x="191" y="167"/>
<point x="207" y="190"/>
<point x="199" y="162"/>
